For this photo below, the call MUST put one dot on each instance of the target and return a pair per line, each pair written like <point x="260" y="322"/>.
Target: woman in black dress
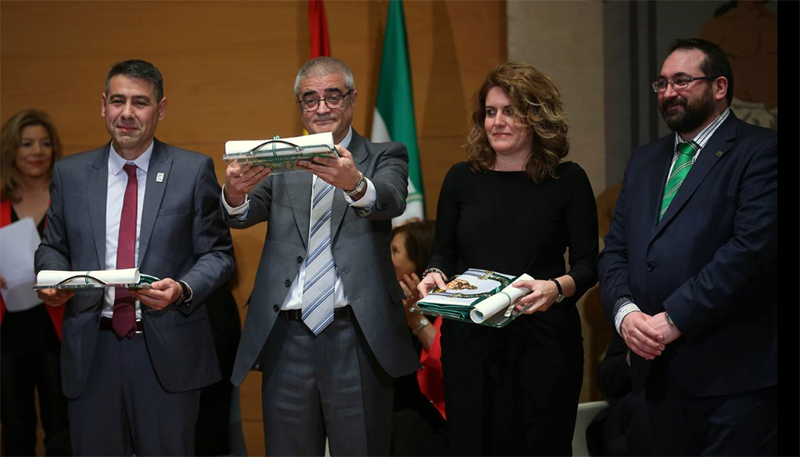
<point x="515" y="207"/>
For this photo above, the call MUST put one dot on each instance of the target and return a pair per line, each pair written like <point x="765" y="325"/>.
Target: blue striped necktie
<point x="679" y="171"/>
<point x="319" y="280"/>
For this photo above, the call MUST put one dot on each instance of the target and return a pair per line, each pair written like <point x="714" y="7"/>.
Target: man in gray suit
<point x="133" y="362"/>
<point x="325" y="373"/>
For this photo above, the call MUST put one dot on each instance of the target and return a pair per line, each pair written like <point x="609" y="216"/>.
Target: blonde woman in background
<point x="30" y="340"/>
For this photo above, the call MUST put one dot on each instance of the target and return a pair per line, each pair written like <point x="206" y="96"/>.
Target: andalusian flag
<point x="394" y="108"/>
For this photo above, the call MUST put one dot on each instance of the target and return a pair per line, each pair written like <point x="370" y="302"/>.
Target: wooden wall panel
<point x="229" y="68"/>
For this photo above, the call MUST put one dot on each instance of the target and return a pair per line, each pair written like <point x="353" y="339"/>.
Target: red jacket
<point x="429" y="375"/>
<point x="56" y="314"/>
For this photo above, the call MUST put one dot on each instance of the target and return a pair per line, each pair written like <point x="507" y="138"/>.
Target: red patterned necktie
<point x="124" y="319"/>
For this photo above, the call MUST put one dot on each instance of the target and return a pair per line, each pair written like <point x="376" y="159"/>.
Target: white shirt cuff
<point x="368" y="200"/>
<point x="241" y="209"/>
<point x="622" y="312"/>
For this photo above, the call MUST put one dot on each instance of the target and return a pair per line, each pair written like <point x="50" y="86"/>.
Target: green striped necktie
<point x="679" y="171"/>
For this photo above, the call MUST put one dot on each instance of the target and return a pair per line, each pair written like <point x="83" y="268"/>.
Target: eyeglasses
<point x="679" y="83"/>
<point x="332" y="102"/>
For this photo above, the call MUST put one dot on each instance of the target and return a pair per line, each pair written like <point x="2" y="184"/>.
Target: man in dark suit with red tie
<point x="133" y="362"/>
<point x="689" y="270"/>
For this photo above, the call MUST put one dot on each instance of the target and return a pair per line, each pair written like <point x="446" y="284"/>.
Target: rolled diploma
<point x="53" y="277"/>
<point x="241" y="146"/>
<point x="499" y="301"/>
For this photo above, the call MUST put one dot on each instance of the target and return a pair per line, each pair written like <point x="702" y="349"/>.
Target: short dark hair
<point x="715" y="64"/>
<point x="419" y="242"/>
<point x="138" y="69"/>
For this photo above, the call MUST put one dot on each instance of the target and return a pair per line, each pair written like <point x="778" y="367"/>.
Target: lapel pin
<point x="160" y="176"/>
<point x="719" y="153"/>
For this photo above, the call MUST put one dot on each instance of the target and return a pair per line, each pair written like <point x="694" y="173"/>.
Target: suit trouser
<point x="744" y="423"/>
<point x="124" y="410"/>
<point x="325" y="385"/>
<point x="212" y="435"/>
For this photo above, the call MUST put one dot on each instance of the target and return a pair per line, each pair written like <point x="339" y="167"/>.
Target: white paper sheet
<point x="18" y="243"/>
<point x="499" y="302"/>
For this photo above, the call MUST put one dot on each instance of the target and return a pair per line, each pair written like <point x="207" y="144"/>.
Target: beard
<point x="693" y="114"/>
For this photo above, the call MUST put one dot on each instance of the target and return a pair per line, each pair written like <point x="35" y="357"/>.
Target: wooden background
<point x="228" y="70"/>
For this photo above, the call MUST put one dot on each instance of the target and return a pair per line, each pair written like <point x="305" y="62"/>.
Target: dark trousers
<point x="325" y="385"/>
<point x="30" y="364"/>
<point x="212" y="435"/>
<point x="745" y="423"/>
<point x="124" y="410"/>
<point x="20" y="377"/>
<point x="416" y="432"/>
<point x="621" y="429"/>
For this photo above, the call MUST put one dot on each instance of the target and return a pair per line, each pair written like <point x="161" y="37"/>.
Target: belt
<point x="105" y="324"/>
<point x="297" y="314"/>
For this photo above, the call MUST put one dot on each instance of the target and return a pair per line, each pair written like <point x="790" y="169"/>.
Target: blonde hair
<point x="10" y="140"/>
<point x="537" y="107"/>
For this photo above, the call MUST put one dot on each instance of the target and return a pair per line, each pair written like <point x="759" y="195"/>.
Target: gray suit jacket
<point x="361" y="251"/>
<point x="182" y="237"/>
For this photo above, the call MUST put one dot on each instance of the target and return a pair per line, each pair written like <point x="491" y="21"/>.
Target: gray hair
<point x="324" y="66"/>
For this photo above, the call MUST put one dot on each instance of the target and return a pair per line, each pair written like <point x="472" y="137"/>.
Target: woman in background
<point x="515" y="207"/>
<point x="418" y="426"/>
<point x="30" y="340"/>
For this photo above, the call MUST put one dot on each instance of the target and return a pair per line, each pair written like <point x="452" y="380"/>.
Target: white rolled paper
<point x="242" y="146"/>
<point x="55" y="277"/>
<point x="499" y="301"/>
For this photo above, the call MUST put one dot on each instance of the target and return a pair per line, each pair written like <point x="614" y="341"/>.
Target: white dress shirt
<point x="115" y="195"/>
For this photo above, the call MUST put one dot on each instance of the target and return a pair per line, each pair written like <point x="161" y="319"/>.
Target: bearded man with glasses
<point x="688" y="276"/>
<point x="326" y="322"/>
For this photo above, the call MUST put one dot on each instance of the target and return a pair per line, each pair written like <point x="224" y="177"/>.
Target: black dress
<point x="515" y="390"/>
<point x="30" y="361"/>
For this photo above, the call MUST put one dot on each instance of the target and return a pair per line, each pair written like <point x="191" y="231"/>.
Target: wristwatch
<point x="560" y="296"/>
<point x="185" y="294"/>
<point x="422" y="324"/>
<point x="362" y="183"/>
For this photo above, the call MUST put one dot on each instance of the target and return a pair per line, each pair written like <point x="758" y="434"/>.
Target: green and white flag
<point x="394" y="108"/>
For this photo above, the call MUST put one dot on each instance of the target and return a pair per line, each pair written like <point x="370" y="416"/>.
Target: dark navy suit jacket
<point x="711" y="262"/>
